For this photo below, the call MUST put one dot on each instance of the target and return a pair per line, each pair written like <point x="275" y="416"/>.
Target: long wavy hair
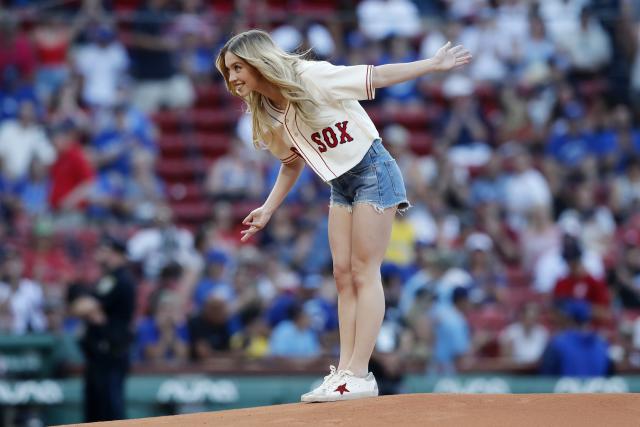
<point x="278" y="67"/>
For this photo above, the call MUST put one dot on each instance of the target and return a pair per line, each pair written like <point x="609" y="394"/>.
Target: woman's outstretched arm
<point x="447" y="58"/>
<point x="258" y="218"/>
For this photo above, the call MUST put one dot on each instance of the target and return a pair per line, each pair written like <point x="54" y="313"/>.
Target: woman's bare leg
<point x="370" y="236"/>
<point x="340" y="243"/>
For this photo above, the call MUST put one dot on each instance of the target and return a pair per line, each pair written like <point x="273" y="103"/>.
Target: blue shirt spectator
<point x="215" y="281"/>
<point x="150" y="333"/>
<point x="577" y="351"/>
<point x="295" y="338"/>
<point x="452" y="336"/>
<point x="114" y="146"/>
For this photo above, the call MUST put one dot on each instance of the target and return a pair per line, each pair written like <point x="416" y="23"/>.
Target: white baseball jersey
<point x="336" y="148"/>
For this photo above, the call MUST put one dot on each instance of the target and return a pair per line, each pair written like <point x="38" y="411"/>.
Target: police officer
<point x="107" y="312"/>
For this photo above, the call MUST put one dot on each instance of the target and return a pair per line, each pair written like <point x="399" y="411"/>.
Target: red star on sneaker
<point x="342" y="389"/>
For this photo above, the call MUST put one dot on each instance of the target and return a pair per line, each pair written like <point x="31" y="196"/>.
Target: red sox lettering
<point x="330" y="138"/>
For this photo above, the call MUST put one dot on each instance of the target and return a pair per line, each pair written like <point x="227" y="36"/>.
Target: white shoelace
<point x="330" y="379"/>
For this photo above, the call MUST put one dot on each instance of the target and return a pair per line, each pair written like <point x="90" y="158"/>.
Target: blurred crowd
<point x="522" y="245"/>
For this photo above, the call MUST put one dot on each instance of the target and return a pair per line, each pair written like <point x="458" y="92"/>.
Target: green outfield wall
<point x="60" y="401"/>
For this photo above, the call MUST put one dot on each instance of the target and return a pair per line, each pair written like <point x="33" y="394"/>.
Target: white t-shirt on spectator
<point x="526" y="190"/>
<point x="561" y="17"/>
<point x="588" y="49"/>
<point x="19" y="145"/>
<point x="25" y="305"/>
<point x="101" y="69"/>
<point x="379" y="19"/>
<point x="156" y="248"/>
<point x="526" y="347"/>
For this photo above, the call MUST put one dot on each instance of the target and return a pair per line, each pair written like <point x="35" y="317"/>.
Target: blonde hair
<point x="278" y="67"/>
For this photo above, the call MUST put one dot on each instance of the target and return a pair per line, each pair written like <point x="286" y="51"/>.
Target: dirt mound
<point x="424" y="410"/>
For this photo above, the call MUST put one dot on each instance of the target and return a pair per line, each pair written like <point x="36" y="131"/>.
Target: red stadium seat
<point x="191" y="212"/>
<point x="180" y="169"/>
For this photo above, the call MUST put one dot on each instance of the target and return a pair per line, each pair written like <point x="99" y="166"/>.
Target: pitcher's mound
<point x="449" y="410"/>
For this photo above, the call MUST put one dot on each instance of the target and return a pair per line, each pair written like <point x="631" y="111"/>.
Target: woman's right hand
<point x="256" y="220"/>
<point x="449" y="57"/>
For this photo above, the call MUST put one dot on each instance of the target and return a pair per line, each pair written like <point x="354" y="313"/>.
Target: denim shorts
<point x="376" y="181"/>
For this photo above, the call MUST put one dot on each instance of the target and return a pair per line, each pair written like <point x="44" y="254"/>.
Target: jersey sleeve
<point x="340" y="82"/>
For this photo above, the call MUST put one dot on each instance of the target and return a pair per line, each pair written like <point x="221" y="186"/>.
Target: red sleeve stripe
<point x="289" y="159"/>
<point x="370" y="87"/>
<point x="366" y="82"/>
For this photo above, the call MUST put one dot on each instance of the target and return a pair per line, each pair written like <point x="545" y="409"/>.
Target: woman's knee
<point x="342" y="275"/>
<point x="362" y="273"/>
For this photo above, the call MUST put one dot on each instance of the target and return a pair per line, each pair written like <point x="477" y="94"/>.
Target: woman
<point x="308" y="112"/>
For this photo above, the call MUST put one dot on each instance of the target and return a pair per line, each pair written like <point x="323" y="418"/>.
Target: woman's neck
<point x="274" y="95"/>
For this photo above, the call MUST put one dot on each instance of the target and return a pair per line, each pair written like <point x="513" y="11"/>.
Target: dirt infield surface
<point x="423" y="410"/>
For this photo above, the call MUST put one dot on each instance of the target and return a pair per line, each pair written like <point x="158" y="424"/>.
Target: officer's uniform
<point x="107" y="346"/>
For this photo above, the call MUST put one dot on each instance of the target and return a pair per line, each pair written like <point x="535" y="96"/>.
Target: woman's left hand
<point x="448" y="58"/>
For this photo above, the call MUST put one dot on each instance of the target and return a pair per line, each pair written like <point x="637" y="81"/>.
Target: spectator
<point x="490" y="46"/>
<point x="379" y="19"/>
<point x="589" y="46"/>
<point x="417" y="170"/>
<point x="33" y="143"/>
<point x="294" y="337"/>
<point x="625" y="277"/>
<point x="580" y="285"/>
<point x="235" y="176"/>
<point x="452" y="340"/>
<point x="66" y="354"/>
<point x="65" y="106"/>
<point x="626" y="189"/>
<point x="45" y="261"/>
<point x="158" y="82"/>
<point x="163" y="336"/>
<point x="144" y="190"/>
<point x="210" y="330"/>
<point x="253" y="339"/>
<point x="562" y="17"/>
<point x="405" y="93"/>
<point x="18" y="56"/>
<point x="488" y="185"/>
<point x="526" y="188"/>
<point x="540" y="236"/>
<point x="568" y="143"/>
<point x="488" y="280"/>
<point x="538" y="49"/>
<point x="464" y="132"/>
<point x="52" y="38"/>
<point x="215" y="279"/>
<point x="596" y="223"/>
<point x="161" y="243"/>
<point x="115" y="146"/>
<point x="33" y="190"/>
<point x="20" y="298"/>
<point x="576" y="351"/>
<point x="102" y="63"/>
<point x="399" y="255"/>
<point x="71" y="174"/>
<point x="320" y="303"/>
<point x="525" y="340"/>
<point x="195" y="28"/>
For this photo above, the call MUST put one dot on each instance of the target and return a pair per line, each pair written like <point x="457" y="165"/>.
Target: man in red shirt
<point x="578" y="284"/>
<point x="71" y="174"/>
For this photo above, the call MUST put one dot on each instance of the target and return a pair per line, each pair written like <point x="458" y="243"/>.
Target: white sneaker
<point x="346" y="386"/>
<point x="321" y="389"/>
